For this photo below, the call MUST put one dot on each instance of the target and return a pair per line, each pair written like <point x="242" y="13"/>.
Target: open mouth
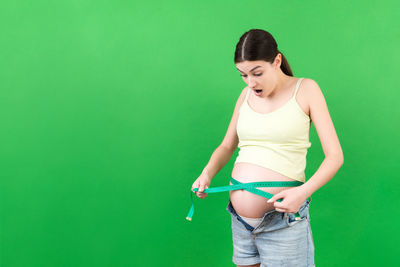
<point x="258" y="90"/>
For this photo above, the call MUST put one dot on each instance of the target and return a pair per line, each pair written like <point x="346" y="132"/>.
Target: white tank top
<point x="277" y="140"/>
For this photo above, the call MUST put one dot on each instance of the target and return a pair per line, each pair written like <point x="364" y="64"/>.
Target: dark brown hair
<point x="257" y="44"/>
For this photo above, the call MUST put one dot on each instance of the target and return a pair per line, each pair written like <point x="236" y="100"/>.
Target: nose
<point x="251" y="83"/>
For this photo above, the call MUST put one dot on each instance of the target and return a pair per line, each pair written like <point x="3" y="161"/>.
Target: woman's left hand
<point x="293" y="199"/>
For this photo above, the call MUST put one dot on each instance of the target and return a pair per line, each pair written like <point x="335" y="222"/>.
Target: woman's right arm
<point x="223" y="153"/>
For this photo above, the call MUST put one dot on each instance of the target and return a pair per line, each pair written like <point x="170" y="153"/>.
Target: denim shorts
<point x="277" y="241"/>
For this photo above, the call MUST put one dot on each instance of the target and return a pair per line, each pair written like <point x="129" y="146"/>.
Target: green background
<point x="111" y="109"/>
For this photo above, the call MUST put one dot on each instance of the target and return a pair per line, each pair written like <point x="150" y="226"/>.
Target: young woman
<point x="270" y="125"/>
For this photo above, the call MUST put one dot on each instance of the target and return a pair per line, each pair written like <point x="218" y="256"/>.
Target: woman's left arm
<point x="322" y="121"/>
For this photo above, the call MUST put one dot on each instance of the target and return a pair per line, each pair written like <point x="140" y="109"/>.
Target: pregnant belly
<point x="246" y="203"/>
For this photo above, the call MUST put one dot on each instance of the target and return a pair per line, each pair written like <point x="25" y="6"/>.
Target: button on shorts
<point x="277" y="241"/>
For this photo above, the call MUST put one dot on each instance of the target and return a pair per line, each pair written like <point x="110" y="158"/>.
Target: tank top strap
<point x="297" y="87"/>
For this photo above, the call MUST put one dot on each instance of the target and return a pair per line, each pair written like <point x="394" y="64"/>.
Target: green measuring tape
<point x="251" y="187"/>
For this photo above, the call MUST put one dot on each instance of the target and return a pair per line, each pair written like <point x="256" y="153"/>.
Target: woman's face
<point x="260" y="75"/>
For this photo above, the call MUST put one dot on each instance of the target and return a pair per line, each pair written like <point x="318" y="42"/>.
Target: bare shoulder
<point x="303" y="95"/>
<point x="319" y="114"/>
<point x="308" y="89"/>
<point x="231" y="140"/>
<point x="311" y="87"/>
<point x="310" y="83"/>
<point x="240" y="100"/>
<point x="312" y="92"/>
<point x="242" y="95"/>
<point x="316" y="102"/>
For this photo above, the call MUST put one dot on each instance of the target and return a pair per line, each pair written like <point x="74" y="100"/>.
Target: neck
<point x="281" y="84"/>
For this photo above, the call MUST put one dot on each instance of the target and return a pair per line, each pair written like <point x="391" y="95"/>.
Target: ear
<point x="278" y="60"/>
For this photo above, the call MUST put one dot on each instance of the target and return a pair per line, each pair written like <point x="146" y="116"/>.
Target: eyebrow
<point x="251" y="69"/>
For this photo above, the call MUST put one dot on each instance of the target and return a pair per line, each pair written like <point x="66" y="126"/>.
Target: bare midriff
<point x="248" y="204"/>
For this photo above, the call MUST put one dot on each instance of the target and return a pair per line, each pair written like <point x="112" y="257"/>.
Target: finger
<point x="272" y="199"/>
<point x="199" y="193"/>
<point x="195" y="185"/>
<point x="276" y="197"/>
<point x="203" y="195"/>
<point x="280" y="210"/>
<point x="279" y="205"/>
<point x="201" y="188"/>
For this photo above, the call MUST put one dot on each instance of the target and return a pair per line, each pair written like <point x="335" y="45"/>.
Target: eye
<point x="258" y="74"/>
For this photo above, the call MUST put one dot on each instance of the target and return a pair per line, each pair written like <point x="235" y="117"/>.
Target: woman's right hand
<point x="202" y="183"/>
